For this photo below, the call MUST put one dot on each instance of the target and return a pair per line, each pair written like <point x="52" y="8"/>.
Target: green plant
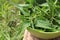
<point x="43" y="17"/>
<point x="15" y="18"/>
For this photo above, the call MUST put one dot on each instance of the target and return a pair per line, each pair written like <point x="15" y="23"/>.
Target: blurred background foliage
<point x="9" y="20"/>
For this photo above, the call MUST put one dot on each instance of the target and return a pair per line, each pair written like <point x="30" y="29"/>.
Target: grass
<point x="10" y="25"/>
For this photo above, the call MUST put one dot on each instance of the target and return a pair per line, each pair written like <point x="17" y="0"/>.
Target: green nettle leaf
<point x="43" y="24"/>
<point x="57" y="20"/>
<point x="25" y="12"/>
<point x="30" y="1"/>
<point x="57" y="12"/>
<point x="59" y="15"/>
<point x="40" y="1"/>
<point x="51" y="6"/>
<point x="44" y="4"/>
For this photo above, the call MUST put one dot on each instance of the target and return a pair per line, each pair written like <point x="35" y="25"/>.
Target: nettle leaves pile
<point x="41" y="16"/>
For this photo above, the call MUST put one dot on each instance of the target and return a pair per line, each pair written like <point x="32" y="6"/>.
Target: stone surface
<point x="28" y="36"/>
